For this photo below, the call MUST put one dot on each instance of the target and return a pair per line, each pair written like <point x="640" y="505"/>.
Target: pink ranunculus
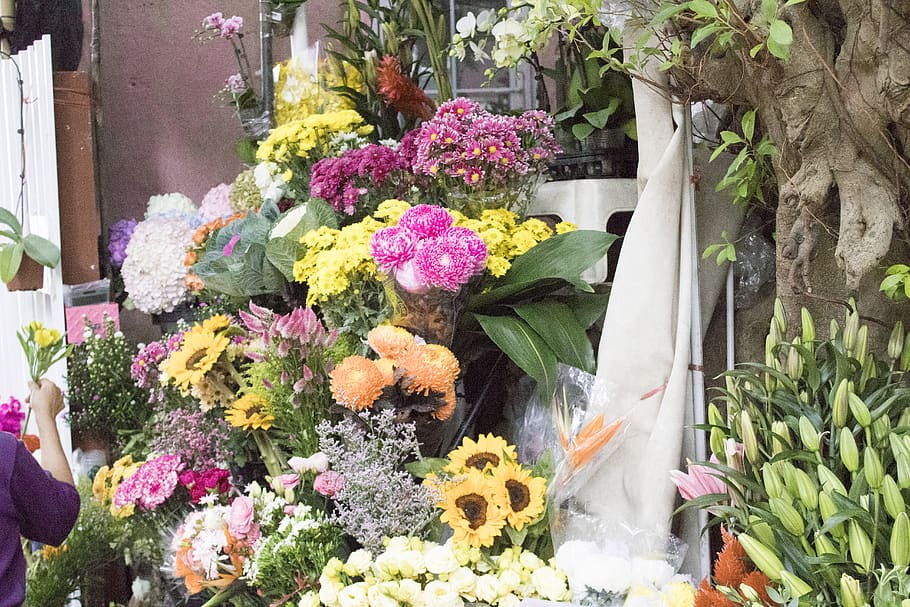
<point x="700" y="480"/>
<point x="328" y="483"/>
<point x="240" y="519"/>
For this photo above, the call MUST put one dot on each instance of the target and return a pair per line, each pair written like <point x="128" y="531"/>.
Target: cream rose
<point x="550" y="584"/>
<point x="441" y="594"/>
<point x="487" y="588"/>
<point x="440" y="560"/>
<point x="354" y="595"/>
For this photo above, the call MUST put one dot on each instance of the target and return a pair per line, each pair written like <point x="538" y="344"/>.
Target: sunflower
<point x="470" y="508"/>
<point x="431" y="367"/>
<point x="197" y="355"/>
<point x="489" y="450"/>
<point x="250" y="411"/>
<point x="357" y="382"/>
<point x="216" y="323"/>
<point x="389" y="341"/>
<point x="524" y="493"/>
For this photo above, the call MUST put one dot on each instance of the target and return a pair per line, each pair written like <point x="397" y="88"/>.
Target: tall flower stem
<point x="433" y="36"/>
<point x="274" y="463"/>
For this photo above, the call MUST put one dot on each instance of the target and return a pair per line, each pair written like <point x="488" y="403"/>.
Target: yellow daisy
<point x="389" y="341"/>
<point x="250" y="412"/>
<point x="431" y="368"/>
<point x="197" y="355"/>
<point x="489" y="450"/>
<point x="357" y="382"/>
<point x="470" y="509"/>
<point x="216" y="323"/>
<point x="524" y="493"/>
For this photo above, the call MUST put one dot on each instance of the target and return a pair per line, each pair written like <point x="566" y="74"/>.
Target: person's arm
<point x="46" y="402"/>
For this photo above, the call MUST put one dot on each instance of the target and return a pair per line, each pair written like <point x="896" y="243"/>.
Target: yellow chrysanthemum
<point x="391" y="210"/>
<point x="356" y="383"/>
<point x="564" y="227"/>
<point x="497" y="266"/>
<point x="489" y="450"/>
<point x="250" y="412"/>
<point x="389" y="341"/>
<point x="678" y="594"/>
<point x="430" y="367"/>
<point x="524" y="493"/>
<point x="216" y="323"/>
<point x="470" y="509"/>
<point x="197" y="355"/>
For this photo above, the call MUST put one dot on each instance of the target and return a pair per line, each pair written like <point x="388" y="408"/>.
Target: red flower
<point x="400" y="92"/>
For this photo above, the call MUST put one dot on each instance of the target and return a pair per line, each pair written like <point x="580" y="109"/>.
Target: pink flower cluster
<point x="241" y="521"/>
<point x="151" y="485"/>
<point x="299" y="328"/>
<point x="328" y="483"/>
<point x="225" y="28"/>
<point x="144" y="369"/>
<point x="425" y="251"/>
<point x="200" y="484"/>
<point x="343" y="181"/>
<point x="11" y="416"/>
<point x="469" y="145"/>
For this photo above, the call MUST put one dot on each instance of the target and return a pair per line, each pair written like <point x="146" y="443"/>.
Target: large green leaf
<point x="561" y="256"/>
<point x="6" y="217"/>
<point x="561" y="331"/>
<point x="524" y="346"/>
<point x="41" y="250"/>
<point x="10" y="259"/>
<point x="588" y="307"/>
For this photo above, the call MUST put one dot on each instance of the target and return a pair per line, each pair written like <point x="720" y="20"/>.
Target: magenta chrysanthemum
<point x="426" y="220"/>
<point x="393" y="246"/>
<point x="152" y="483"/>
<point x="474" y="244"/>
<point x="445" y="263"/>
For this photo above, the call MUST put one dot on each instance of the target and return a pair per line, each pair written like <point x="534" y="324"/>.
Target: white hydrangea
<point x="170" y="205"/>
<point x="153" y="271"/>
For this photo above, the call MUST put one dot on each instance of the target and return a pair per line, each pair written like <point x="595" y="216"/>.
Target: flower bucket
<point x="516" y="199"/>
<point x="432" y="315"/>
<point x="30" y="276"/>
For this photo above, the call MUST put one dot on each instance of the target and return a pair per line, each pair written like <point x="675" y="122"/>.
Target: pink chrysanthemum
<point x="152" y="483"/>
<point x="444" y="263"/>
<point x="393" y="246"/>
<point x="460" y="107"/>
<point x="468" y="238"/>
<point x="426" y="220"/>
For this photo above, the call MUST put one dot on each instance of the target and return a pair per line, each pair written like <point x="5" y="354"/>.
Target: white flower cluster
<point x="517" y="32"/>
<point x="426" y="574"/>
<point x="153" y="271"/>
<point x="272" y="183"/>
<point x="170" y="205"/>
<point x="203" y="531"/>
<point x="289" y="531"/>
<point x="596" y="573"/>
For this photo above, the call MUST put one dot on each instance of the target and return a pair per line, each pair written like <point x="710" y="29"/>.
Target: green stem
<point x="222" y="595"/>
<point x="271" y="459"/>
<point x="434" y="49"/>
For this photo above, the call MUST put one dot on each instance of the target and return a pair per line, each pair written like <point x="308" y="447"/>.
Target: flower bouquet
<point x="482" y="160"/>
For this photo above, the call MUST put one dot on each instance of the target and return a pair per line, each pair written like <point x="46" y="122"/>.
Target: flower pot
<point x="30" y="276"/>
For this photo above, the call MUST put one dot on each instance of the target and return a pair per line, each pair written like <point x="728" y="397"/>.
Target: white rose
<point x="409" y="591"/>
<point x="386" y="566"/>
<point x="529" y="560"/>
<point x="549" y="584"/>
<point x="378" y="596"/>
<point x="509" y="580"/>
<point x="410" y="563"/>
<point x="440" y="560"/>
<point x="358" y="562"/>
<point x="328" y="592"/>
<point x="354" y="595"/>
<point x="441" y="594"/>
<point x="398" y="544"/>
<point x="487" y="588"/>
<point x="464" y="581"/>
<point x="509" y="600"/>
<point x="310" y="599"/>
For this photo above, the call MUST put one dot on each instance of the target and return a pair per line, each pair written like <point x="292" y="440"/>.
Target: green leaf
<point x="907" y="286"/>
<point x="729" y="137"/>
<point x="561" y="256"/>
<point x="10" y="259"/>
<point x="630" y="128"/>
<point x="890" y="283"/>
<point x="769" y="9"/>
<point x="703" y="33"/>
<point x="703" y="8"/>
<point x="667" y="12"/>
<point x="898" y="268"/>
<point x="560" y="329"/>
<point x="711" y="250"/>
<point x="6" y="217"/>
<point x="600" y="118"/>
<point x="582" y="130"/>
<point x="589" y="308"/>
<point x="426" y="466"/>
<point x="755" y="50"/>
<point x="524" y="346"/>
<point x="41" y="250"/>
<point x="749" y="124"/>
<point x="780" y="38"/>
<point x="516" y="537"/>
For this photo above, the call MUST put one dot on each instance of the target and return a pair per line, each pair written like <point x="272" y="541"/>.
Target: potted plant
<point x="22" y="258"/>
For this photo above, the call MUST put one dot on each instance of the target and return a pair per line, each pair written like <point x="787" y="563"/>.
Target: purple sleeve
<point x="47" y="508"/>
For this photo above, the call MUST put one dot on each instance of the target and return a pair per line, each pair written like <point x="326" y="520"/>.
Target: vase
<point x="431" y="315"/>
<point x="517" y="198"/>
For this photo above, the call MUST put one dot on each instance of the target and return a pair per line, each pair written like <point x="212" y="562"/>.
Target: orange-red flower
<point x="732" y="568"/>
<point x="356" y="383"/>
<point x="430" y="367"/>
<point x="400" y="92"/>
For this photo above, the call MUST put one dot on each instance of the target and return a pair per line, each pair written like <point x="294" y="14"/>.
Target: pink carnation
<point x="151" y="485"/>
<point x="393" y="246"/>
<point x="426" y="220"/>
<point x="328" y="483"/>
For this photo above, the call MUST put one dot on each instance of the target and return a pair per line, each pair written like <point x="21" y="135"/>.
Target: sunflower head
<point x="389" y="341"/>
<point x="250" y="412"/>
<point x="524" y="493"/>
<point x="430" y="368"/>
<point x="489" y="451"/>
<point x="197" y="355"/>
<point x="472" y="507"/>
<point x="357" y="382"/>
<point x="216" y="323"/>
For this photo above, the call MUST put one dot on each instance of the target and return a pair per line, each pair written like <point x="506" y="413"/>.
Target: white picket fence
<point x="33" y="108"/>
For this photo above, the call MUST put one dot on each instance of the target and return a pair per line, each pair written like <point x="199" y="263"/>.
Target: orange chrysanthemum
<point x="387" y="367"/>
<point x="356" y="383"/>
<point x="445" y="412"/>
<point x="389" y="341"/>
<point x="430" y="367"/>
<point x="400" y="92"/>
<point x="190" y="258"/>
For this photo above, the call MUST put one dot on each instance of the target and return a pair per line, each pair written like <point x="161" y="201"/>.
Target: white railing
<point x="32" y="107"/>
